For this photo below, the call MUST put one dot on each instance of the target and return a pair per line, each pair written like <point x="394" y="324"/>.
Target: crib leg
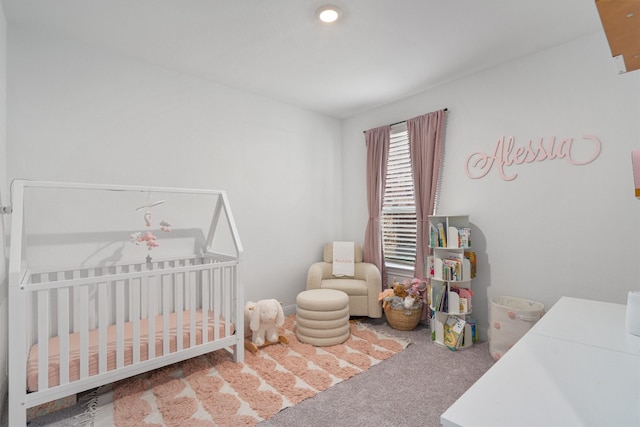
<point x="17" y="415"/>
<point x="238" y="353"/>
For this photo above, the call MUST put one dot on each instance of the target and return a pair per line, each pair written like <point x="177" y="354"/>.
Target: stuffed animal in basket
<point x="399" y="290"/>
<point x="265" y="317"/>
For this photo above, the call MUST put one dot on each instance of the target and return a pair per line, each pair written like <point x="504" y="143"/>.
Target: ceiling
<point x="380" y="51"/>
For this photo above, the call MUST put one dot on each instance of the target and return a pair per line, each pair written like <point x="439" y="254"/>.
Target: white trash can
<point x="509" y="319"/>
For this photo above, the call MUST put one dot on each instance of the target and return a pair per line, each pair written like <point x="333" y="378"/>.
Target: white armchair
<point x="363" y="288"/>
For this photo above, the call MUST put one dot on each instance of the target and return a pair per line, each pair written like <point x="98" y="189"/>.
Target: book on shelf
<point x="430" y="266"/>
<point x="442" y="236"/>
<point x="451" y="266"/>
<point x="471" y="256"/>
<point x="439" y="296"/>
<point x="435" y="295"/>
<point x="434" y="237"/>
<point x="454" y="332"/>
<point x="464" y="307"/>
<point x="464" y="239"/>
<point x="451" y="270"/>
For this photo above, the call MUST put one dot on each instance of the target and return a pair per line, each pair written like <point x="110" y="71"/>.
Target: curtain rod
<point x="397" y="123"/>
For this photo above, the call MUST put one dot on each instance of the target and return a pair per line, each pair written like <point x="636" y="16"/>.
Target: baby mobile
<point x="148" y="238"/>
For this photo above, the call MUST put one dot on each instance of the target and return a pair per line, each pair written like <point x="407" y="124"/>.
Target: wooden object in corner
<point x="621" y="22"/>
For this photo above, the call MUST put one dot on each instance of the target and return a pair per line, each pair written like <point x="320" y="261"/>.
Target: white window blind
<point x="398" y="207"/>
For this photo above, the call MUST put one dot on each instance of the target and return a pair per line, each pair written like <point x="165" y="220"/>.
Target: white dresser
<point x="578" y="366"/>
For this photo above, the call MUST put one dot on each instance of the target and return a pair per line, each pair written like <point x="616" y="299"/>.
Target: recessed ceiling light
<point x="328" y="13"/>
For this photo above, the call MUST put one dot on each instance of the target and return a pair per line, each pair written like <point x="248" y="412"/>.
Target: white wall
<point x="3" y="201"/>
<point x="556" y="229"/>
<point x="82" y="114"/>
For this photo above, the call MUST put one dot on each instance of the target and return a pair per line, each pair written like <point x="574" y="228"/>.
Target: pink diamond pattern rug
<point x="212" y="390"/>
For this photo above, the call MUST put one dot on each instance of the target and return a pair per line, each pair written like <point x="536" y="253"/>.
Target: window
<point x="398" y="205"/>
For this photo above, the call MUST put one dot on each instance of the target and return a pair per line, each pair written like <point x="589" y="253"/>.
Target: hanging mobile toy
<point x="148" y="238"/>
<point x="150" y="205"/>
<point x="147" y="215"/>
<point x="135" y="237"/>
<point x="147" y="218"/>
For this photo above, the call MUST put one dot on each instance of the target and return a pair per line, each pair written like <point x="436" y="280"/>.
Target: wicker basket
<point x="404" y="319"/>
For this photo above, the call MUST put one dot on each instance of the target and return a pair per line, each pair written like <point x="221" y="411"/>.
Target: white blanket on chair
<point x="343" y="262"/>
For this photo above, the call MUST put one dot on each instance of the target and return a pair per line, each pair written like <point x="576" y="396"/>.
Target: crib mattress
<point x="74" y="347"/>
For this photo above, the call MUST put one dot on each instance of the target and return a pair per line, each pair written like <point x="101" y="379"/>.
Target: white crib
<point x="77" y="328"/>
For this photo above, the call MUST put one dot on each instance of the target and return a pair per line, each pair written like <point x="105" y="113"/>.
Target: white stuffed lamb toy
<point x="266" y="316"/>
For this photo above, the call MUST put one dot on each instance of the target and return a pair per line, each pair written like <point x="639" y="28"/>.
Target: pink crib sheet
<point x="74" y="347"/>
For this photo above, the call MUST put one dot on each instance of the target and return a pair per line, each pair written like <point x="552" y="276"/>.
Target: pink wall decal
<point x="506" y="153"/>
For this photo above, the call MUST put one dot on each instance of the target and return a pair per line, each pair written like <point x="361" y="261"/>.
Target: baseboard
<point x="289" y="309"/>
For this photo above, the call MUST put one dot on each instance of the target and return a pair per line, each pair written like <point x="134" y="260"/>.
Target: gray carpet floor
<point x="413" y="388"/>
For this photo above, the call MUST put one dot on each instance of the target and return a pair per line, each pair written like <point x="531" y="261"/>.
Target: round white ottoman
<point x="322" y="317"/>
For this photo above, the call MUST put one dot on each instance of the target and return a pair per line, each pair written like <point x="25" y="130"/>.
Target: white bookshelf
<point x="450" y="274"/>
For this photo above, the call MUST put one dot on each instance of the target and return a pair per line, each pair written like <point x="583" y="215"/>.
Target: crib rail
<point x="88" y="304"/>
